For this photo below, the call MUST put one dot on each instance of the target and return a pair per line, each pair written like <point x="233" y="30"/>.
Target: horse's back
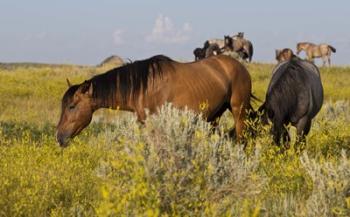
<point x="220" y="69"/>
<point x="230" y="67"/>
<point x="212" y="80"/>
<point x="301" y="78"/>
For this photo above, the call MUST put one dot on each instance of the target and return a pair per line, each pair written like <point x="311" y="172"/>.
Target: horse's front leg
<point x="324" y="60"/>
<point x="329" y="61"/>
<point x="311" y="59"/>
<point x="141" y="115"/>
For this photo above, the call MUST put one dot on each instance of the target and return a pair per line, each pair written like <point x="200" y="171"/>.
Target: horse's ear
<point x="68" y="83"/>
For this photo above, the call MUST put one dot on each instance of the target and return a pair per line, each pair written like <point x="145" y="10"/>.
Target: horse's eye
<point x="71" y="107"/>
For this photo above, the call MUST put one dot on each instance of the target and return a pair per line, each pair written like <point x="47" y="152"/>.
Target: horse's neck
<point x="118" y="103"/>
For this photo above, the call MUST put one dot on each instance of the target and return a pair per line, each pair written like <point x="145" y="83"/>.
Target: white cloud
<point x="41" y="35"/>
<point x="118" y="37"/>
<point x="164" y="31"/>
<point x="36" y="36"/>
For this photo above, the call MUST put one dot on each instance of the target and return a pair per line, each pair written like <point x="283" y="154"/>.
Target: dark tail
<point x="255" y="98"/>
<point x="332" y="49"/>
<point x="251" y="51"/>
<point x="206" y="44"/>
<point x="263" y="113"/>
<point x="252" y="117"/>
<point x="252" y="113"/>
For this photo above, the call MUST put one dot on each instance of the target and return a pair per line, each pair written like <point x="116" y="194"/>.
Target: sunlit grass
<point x="174" y="165"/>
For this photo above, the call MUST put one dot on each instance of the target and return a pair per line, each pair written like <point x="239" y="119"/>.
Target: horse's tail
<point x="206" y="44"/>
<point x="252" y="114"/>
<point x="332" y="48"/>
<point x="251" y="51"/>
<point x="252" y="117"/>
<point x="254" y="97"/>
<point x="262" y="111"/>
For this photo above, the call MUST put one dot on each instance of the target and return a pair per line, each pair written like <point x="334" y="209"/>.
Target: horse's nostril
<point x="61" y="139"/>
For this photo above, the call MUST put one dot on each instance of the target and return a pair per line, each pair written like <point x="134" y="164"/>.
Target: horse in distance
<point x="294" y="96"/>
<point x="245" y="51"/>
<point x="229" y="49"/>
<point x="312" y="51"/>
<point x="241" y="44"/>
<point x="284" y="54"/>
<point x="207" y="51"/>
<point x="199" y="53"/>
<point x="213" y="50"/>
<point x="220" y="42"/>
<point x="220" y="81"/>
<point x="239" y="34"/>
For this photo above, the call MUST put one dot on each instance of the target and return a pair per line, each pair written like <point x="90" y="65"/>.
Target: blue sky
<point x="87" y="31"/>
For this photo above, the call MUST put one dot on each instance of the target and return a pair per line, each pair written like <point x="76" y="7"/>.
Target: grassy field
<point x="172" y="166"/>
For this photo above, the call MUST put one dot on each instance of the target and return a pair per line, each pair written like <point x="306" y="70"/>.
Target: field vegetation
<point x="174" y="165"/>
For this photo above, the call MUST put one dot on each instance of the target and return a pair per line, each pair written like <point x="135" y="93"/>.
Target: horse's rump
<point x="210" y="81"/>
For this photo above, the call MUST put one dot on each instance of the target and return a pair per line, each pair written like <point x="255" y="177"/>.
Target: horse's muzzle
<point x="62" y="139"/>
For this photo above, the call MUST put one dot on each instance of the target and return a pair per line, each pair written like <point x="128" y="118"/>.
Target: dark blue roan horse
<point x="294" y="95"/>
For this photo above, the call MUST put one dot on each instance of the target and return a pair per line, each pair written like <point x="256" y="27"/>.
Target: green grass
<point x="172" y="166"/>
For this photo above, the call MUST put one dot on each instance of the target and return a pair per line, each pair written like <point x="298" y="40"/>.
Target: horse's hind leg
<point x="303" y="128"/>
<point x="285" y="137"/>
<point x="238" y="109"/>
<point x="238" y="116"/>
<point x="276" y="133"/>
<point x="215" y="118"/>
<point x="324" y="60"/>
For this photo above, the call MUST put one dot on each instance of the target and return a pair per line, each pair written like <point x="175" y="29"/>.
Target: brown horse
<point x="219" y="81"/>
<point x="284" y="55"/>
<point x="315" y="51"/>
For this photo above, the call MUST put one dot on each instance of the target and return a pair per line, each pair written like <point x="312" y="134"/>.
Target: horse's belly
<point x="200" y="103"/>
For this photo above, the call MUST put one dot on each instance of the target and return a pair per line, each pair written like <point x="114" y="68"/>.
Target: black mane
<point x="131" y="78"/>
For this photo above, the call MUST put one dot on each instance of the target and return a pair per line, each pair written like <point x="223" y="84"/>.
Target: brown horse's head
<point x="302" y="46"/>
<point x="278" y="52"/>
<point x="76" y="114"/>
<point x="284" y="55"/>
